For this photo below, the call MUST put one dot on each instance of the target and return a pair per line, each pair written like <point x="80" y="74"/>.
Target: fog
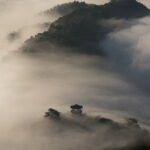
<point x="129" y="55"/>
<point x="31" y="83"/>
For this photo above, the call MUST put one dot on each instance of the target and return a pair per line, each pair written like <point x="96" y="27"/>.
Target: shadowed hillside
<point x="64" y="9"/>
<point x="82" y="30"/>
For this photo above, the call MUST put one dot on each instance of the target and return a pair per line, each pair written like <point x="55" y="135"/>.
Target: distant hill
<point x="125" y="9"/>
<point x="64" y="9"/>
<point x="82" y="30"/>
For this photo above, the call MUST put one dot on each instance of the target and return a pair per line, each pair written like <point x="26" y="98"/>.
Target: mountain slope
<point x="82" y="30"/>
<point x="67" y="8"/>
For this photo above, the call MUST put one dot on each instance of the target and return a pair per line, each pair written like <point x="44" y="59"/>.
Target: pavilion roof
<point x="76" y="106"/>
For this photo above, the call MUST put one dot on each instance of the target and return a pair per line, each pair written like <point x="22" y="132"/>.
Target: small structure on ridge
<point x="76" y="109"/>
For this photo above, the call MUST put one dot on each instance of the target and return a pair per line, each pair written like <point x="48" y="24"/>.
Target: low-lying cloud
<point x="32" y="84"/>
<point x="129" y="51"/>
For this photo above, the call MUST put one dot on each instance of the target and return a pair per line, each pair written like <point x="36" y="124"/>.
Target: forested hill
<point x="64" y="9"/>
<point x="82" y="29"/>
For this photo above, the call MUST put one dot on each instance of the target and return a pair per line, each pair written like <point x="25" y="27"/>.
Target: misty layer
<point x="30" y="84"/>
<point x="128" y="51"/>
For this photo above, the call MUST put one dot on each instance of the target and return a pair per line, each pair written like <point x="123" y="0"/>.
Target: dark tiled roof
<point x="76" y="106"/>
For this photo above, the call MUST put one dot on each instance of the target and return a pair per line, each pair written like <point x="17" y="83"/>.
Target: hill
<point x="82" y="30"/>
<point x="64" y="9"/>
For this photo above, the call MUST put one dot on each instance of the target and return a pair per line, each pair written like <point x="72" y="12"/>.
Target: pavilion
<point x="76" y="109"/>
